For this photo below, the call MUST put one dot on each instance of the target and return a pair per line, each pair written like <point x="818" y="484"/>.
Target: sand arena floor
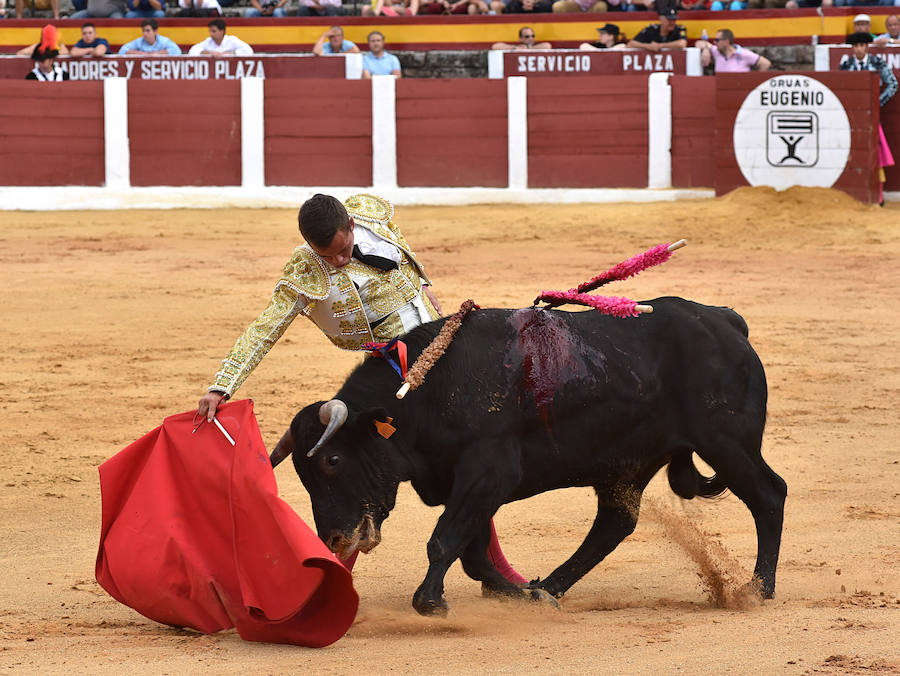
<point x="113" y="320"/>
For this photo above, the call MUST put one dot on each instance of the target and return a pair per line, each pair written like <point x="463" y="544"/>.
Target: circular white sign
<point x="792" y="130"/>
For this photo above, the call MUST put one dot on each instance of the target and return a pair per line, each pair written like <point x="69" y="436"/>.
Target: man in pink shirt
<point x="728" y="57"/>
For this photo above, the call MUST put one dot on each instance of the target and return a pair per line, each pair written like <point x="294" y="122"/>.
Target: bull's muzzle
<point x="365" y="537"/>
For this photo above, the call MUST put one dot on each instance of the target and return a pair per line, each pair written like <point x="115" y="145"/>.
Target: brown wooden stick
<point x="416" y="373"/>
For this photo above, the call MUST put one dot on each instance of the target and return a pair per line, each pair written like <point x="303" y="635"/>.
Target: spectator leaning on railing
<point x="150" y="42"/>
<point x="332" y="42"/>
<point x="527" y="40"/>
<point x="728" y="57"/>
<point x="90" y="44"/>
<point x="663" y="35"/>
<point x="607" y="38"/>
<point x="377" y="61"/>
<point x="891" y="36"/>
<point x="219" y="43"/>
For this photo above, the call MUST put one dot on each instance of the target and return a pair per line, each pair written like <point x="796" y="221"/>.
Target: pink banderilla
<point x="613" y="305"/>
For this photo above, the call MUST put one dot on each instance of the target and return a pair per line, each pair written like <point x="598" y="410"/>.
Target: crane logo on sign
<point x="792" y="130"/>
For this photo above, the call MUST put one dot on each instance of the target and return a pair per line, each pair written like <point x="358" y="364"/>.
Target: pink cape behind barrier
<point x="194" y="535"/>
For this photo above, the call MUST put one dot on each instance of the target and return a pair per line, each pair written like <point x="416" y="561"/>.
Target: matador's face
<point x="340" y="250"/>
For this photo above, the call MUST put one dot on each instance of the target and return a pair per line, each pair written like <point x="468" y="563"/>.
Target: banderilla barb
<point x="416" y="373"/>
<point x="613" y="305"/>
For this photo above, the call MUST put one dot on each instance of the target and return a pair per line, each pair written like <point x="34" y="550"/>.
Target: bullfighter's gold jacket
<point x="327" y="295"/>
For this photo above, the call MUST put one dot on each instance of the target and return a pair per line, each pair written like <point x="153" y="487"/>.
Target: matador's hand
<point x="434" y="301"/>
<point x="209" y="403"/>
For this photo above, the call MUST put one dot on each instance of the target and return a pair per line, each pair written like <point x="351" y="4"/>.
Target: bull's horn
<point x="283" y="449"/>
<point x="333" y="414"/>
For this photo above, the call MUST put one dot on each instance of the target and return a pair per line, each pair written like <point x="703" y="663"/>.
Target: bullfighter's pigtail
<point x="416" y="374"/>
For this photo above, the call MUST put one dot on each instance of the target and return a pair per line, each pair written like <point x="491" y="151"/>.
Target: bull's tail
<point x="688" y="483"/>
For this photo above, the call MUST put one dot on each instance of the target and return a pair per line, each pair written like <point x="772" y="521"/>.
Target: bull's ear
<point x="378" y="421"/>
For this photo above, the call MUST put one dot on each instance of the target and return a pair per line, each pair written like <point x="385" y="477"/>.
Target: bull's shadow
<point x="527" y="401"/>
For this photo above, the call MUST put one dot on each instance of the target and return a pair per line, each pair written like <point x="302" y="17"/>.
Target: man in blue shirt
<point x="378" y="61"/>
<point x="332" y="42"/>
<point x="90" y="44"/>
<point x="150" y="42"/>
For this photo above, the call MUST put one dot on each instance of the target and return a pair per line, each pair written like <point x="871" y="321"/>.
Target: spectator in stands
<point x="320" y="8"/>
<point x="454" y="7"/>
<point x="377" y="61"/>
<point x="728" y="57"/>
<point x="391" y="8"/>
<point x="41" y="5"/>
<point x="862" y="60"/>
<point x="521" y="6"/>
<point x="44" y="55"/>
<point x="199" y="8"/>
<point x="891" y="36"/>
<point x="150" y="42"/>
<point x="29" y="50"/>
<point x="663" y="35"/>
<point x="90" y="44"/>
<point x="332" y="42"/>
<point x="145" y="9"/>
<point x="102" y="9"/>
<point x="527" y="40"/>
<point x="607" y="38"/>
<point x="219" y="44"/>
<point x="862" y="23"/>
<point x="266" y="8"/>
<point x="580" y="6"/>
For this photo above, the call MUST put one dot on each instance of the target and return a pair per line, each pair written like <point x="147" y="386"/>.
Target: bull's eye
<point x="333" y="460"/>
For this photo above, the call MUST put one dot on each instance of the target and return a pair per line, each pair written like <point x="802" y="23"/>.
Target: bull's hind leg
<point x="616" y="519"/>
<point x="764" y="492"/>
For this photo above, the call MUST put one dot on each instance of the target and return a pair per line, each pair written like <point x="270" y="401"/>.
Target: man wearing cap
<point x="729" y="57"/>
<point x="607" y="38"/>
<point x="861" y="60"/>
<point x="862" y="23"/>
<point x="663" y="35"/>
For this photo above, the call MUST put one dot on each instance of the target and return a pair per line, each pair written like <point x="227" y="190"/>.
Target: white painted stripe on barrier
<point x="253" y="158"/>
<point x="495" y="65"/>
<point x="692" y="64"/>
<point x="353" y="66"/>
<point x="384" y="132"/>
<point x="517" y="131"/>
<point x="659" y="120"/>
<point x="194" y="197"/>
<point x="117" y="153"/>
<point x="821" y="59"/>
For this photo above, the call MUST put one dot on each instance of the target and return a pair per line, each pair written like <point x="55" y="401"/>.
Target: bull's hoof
<point x="542" y="596"/>
<point x="430" y="607"/>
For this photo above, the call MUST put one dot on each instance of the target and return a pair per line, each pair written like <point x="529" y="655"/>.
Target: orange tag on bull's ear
<point x="385" y="429"/>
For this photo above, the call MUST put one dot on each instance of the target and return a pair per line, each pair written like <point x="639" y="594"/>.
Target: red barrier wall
<point x="693" y="144"/>
<point x="318" y="132"/>
<point x="53" y="134"/>
<point x="451" y="133"/>
<point x="858" y="93"/>
<point x="184" y="133"/>
<point x="890" y="122"/>
<point x="588" y="132"/>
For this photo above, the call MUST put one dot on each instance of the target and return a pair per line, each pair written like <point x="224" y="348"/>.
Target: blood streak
<point x="548" y="354"/>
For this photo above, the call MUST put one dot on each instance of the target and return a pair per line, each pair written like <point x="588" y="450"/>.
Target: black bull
<point x="527" y="401"/>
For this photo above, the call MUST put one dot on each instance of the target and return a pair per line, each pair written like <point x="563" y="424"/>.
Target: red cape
<point x="195" y="535"/>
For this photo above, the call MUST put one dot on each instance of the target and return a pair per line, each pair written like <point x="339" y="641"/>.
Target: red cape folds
<point x="195" y="535"/>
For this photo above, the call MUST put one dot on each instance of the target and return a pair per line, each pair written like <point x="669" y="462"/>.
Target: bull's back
<point x="563" y="384"/>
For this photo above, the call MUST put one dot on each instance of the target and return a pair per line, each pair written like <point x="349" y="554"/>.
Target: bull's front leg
<point x="478" y="491"/>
